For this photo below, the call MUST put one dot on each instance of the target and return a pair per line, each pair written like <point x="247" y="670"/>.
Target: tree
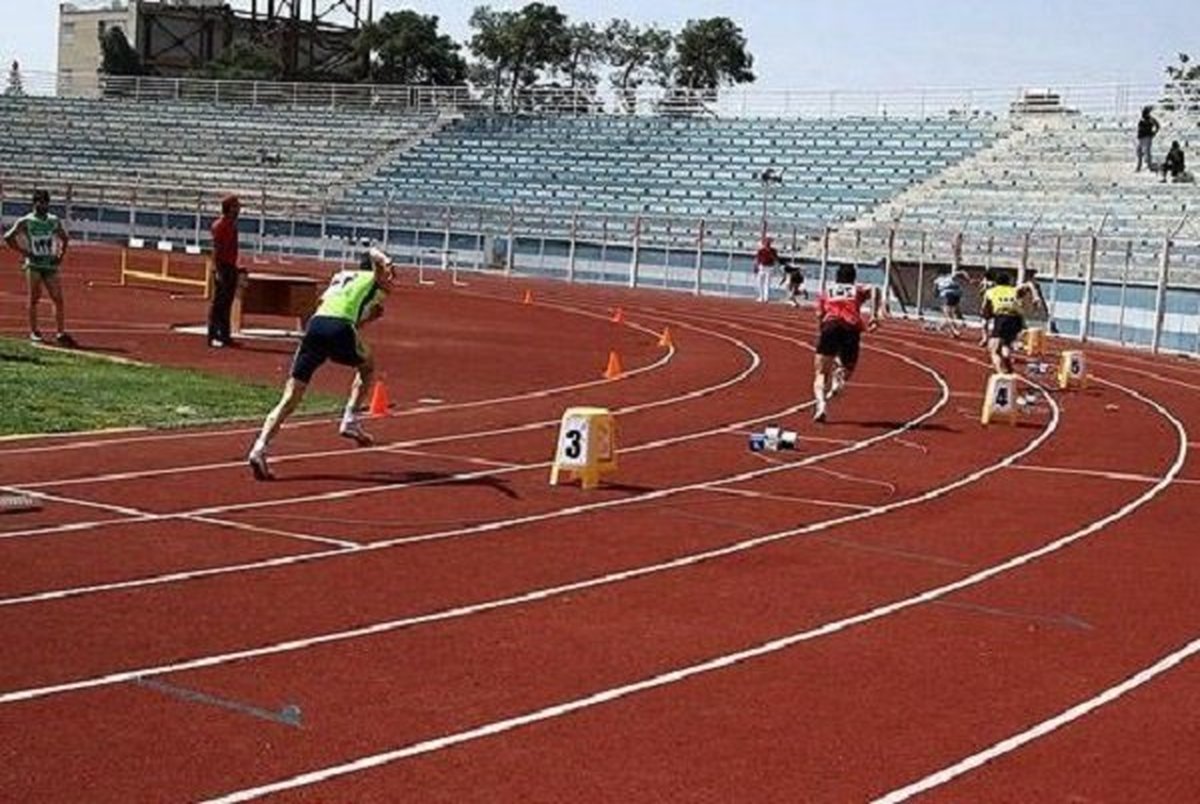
<point x="638" y="54"/>
<point x="586" y="47"/>
<point x="16" y="86"/>
<point x="117" y="56"/>
<point x="1183" y="85"/>
<point x="516" y="46"/>
<point x="712" y="53"/>
<point x="245" y="61"/>
<point x="404" y="47"/>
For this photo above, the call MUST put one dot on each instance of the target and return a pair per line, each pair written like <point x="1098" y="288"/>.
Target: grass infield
<point x="52" y="391"/>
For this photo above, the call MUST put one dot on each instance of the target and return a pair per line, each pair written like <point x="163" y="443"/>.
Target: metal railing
<point x="1136" y="292"/>
<point x="1109" y="100"/>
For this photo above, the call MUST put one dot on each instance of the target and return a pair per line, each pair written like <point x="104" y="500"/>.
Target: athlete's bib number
<point x="837" y="291"/>
<point x="42" y="246"/>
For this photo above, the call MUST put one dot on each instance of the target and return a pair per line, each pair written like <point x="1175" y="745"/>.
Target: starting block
<point x="587" y="446"/>
<point x="1000" y="399"/>
<point x="1035" y="341"/>
<point x="1072" y="370"/>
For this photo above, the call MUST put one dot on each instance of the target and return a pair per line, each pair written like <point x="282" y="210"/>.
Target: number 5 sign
<point x="586" y="446"/>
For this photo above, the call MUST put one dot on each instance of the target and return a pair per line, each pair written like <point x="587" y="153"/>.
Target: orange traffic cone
<point x="665" y="338"/>
<point x="614" y="367"/>
<point x="379" y="400"/>
<point x="618" y="315"/>
<point x="528" y="297"/>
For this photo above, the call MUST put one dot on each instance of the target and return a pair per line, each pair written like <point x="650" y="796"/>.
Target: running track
<point x="909" y="605"/>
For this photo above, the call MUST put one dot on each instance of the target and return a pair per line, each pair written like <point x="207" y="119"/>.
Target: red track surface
<point x="886" y="606"/>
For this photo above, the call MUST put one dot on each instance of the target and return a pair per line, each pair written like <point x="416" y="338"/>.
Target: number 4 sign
<point x="1000" y="399"/>
<point x="586" y="446"/>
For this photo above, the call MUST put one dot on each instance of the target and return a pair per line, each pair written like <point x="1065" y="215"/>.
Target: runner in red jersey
<point x="840" y="322"/>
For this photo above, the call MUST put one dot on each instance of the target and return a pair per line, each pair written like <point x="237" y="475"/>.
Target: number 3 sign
<point x="586" y="446"/>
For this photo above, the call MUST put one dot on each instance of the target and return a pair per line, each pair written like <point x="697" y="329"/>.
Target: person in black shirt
<point x="1174" y="163"/>
<point x="1147" y="127"/>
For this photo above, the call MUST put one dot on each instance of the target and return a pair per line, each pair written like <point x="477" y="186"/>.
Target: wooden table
<point x="276" y="294"/>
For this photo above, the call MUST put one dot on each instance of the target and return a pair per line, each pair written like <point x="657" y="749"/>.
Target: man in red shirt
<point x="225" y="257"/>
<point x="764" y="263"/>
<point x="840" y="322"/>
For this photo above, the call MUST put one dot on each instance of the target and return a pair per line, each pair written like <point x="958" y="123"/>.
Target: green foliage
<point x="515" y="47"/>
<point x="245" y="61"/>
<point x="404" y="47"/>
<point x="117" y="56"/>
<point x="48" y="391"/>
<point x="638" y="55"/>
<point x="1183" y="85"/>
<point x="712" y="53"/>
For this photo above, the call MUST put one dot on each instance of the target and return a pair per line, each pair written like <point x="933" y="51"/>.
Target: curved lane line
<point x="721" y="662"/>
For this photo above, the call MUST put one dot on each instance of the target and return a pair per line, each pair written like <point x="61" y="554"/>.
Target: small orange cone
<point x="618" y="316"/>
<point x="528" y="297"/>
<point x="379" y="400"/>
<point x="614" y="367"/>
<point x="665" y="338"/>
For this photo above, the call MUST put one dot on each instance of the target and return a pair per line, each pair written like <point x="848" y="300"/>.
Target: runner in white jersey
<point x="42" y="240"/>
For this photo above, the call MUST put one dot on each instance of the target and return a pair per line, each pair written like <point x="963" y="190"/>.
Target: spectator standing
<point x="764" y="263"/>
<point x="42" y="240"/>
<point x="1147" y="127"/>
<point x="225" y="256"/>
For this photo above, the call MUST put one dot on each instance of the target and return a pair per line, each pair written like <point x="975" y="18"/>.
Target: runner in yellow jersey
<point x="353" y="298"/>
<point x="1004" y="306"/>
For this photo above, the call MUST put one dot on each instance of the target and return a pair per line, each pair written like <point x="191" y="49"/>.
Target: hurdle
<point x="161" y="273"/>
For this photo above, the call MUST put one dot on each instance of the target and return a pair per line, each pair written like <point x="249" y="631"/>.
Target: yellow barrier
<point x="162" y="273"/>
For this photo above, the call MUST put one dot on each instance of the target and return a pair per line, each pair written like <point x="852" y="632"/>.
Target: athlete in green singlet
<point x="42" y="240"/>
<point x="353" y="298"/>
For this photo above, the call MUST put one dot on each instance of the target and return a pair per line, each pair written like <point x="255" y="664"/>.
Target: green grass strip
<point x="50" y="391"/>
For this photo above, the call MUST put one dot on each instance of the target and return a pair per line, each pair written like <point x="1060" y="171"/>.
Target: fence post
<point x="446" y="239"/>
<point x="824" y="260"/>
<point x="1124" y="288"/>
<point x="1023" y="265"/>
<point x="887" y="270"/>
<point x="510" y="251"/>
<point x="132" y="212"/>
<point x="699" y="257"/>
<point x="324" y="229"/>
<point x="921" y="278"/>
<point x="166" y="215"/>
<point x="637" y="243"/>
<point x="387" y="223"/>
<point x="199" y="212"/>
<point x="571" y="247"/>
<point x="1089" y="274"/>
<point x="1160" y="296"/>
<point x="729" y="256"/>
<point x="262" y="221"/>
<point x="1054" y="277"/>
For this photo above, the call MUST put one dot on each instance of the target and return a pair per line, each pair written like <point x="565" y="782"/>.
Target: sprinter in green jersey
<point x="42" y="240"/>
<point x="353" y="298"/>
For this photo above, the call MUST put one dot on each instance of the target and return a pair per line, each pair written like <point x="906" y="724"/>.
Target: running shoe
<point x="36" y="337"/>
<point x="258" y="465"/>
<point x="819" y="411"/>
<point x="64" y="339"/>
<point x="355" y="432"/>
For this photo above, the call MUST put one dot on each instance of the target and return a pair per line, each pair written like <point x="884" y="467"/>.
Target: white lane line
<point x="1100" y="473"/>
<point x="760" y="495"/>
<point x="183" y="576"/>
<point x="249" y="528"/>
<point x="243" y="431"/>
<point x="755" y="361"/>
<point x="721" y="662"/>
<point x="1016" y="741"/>
<point x="41" y="495"/>
<point x="528" y="597"/>
<point x="420" y="453"/>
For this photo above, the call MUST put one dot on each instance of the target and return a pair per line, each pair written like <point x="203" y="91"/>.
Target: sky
<point x="841" y="44"/>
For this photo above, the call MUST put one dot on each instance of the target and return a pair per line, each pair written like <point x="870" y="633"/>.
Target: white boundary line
<point x="1047" y="726"/>
<point x="324" y="420"/>
<point x="488" y="526"/>
<point x="727" y="660"/>
<point x="249" y="528"/>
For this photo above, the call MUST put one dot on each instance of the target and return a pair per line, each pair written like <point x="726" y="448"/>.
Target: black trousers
<point x="225" y="284"/>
